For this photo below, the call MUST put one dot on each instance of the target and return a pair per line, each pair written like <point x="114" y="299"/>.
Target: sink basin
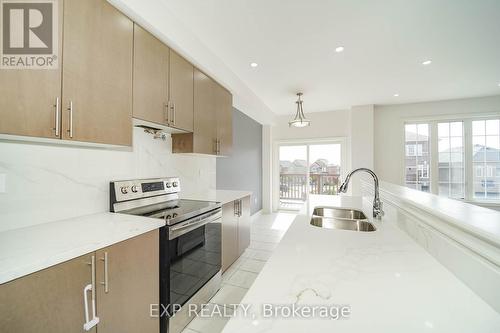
<point x="344" y="224"/>
<point x="341" y="213"/>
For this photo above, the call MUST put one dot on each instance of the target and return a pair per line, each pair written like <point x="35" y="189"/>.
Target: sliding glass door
<point x="293" y="176"/>
<point x="308" y="169"/>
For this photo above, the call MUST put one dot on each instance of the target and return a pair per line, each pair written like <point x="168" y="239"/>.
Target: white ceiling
<point x="385" y="42"/>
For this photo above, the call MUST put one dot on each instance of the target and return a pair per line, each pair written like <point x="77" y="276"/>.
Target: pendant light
<point x="300" y="120"/>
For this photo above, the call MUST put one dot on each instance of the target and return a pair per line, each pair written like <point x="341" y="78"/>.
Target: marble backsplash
<point x="41" y="183"/>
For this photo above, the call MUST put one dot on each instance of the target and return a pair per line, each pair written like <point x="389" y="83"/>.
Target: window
<point x="439" y="153"/>
<point x="486" y="158"/>
<point x="417" y="156"/>
<point x="451" y="159"/>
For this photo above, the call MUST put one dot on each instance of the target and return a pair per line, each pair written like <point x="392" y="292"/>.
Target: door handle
<point x="70" y="109"/>
<point x="56" y="123"/>
<point x="105" y="283"/>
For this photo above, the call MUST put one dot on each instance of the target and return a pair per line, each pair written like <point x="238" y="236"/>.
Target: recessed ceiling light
<point x="396" y="95"/>
<point x="339" y="49"/>
<point x="254" y="64"/>
<point x="427" y="62"/>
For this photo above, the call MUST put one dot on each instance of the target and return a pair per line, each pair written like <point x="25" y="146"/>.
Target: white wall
<point x="389" y="132"/>
<point x="323" y="125"/>
<point x="362" y="148"/>
<point x="267" y="159"/>
<point x="42" y="183"/>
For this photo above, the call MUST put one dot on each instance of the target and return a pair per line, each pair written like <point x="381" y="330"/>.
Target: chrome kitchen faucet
<point x="377" y="204"/>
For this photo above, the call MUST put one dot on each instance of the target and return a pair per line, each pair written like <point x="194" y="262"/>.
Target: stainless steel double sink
<point x="341" y="218"/>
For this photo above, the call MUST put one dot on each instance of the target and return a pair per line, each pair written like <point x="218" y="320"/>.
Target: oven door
<point x="193" y="250"/>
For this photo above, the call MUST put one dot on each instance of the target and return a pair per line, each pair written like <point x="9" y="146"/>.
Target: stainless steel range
<point x="190" y="243"/>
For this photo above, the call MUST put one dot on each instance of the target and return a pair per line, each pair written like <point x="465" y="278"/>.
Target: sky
<point x="330" y="152"/>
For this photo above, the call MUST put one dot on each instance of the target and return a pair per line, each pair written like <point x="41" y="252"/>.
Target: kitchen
<point x="162" y="174"/>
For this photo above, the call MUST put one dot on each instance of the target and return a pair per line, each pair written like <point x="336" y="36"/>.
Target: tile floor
<point x="266" y="232"/>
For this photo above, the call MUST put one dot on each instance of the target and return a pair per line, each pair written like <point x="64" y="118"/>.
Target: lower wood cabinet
<point x="127" y="276"/>
<point x="126" y="282"/>
<point x="244" y="225"/>
<point x="230" y="249"/>
<point x="48" y="301"/>
<point x="235" y="230"/>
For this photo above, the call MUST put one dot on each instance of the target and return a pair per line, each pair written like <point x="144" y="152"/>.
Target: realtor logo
<point x="29" y="34"/>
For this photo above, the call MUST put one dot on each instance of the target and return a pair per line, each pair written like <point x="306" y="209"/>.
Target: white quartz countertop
<point x="478" y="220"/>
<point x="27" y="250"/>
<point x="222" y="196"/>
<point x="390" y="283"/>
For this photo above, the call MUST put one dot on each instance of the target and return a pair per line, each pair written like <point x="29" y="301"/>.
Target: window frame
<point x="434" y="152"/>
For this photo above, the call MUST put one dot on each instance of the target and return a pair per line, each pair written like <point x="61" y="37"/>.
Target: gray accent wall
<point x="243" y="169"/>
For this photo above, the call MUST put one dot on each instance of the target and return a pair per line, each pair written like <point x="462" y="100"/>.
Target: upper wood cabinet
<point x="212" y="131"/>
<point x="224" y="112"/>
<point x="204" y="136"/>
<point x="181" y="97"/>
<point x="29" y="98"/>
<point x="97" y="73"/>
<point x="48" y="301"/>
<point x="151" y="70"/>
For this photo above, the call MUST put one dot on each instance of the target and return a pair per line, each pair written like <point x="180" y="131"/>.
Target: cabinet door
<point x="48" y="301"/>
<point x="229" y="235"/>
<point x="128" y="285"/>
<point x="181" y="92"/>
<point x="244" y="225"/>
<point x="28" y="97"/>
<point x="97" y="73"/>
<point x="224" y="105"/>
<point x="205" y="131"/>
<point x="151" y="59"/>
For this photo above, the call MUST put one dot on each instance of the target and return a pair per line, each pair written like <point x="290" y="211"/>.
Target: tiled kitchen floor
<point x="266" y="232"/>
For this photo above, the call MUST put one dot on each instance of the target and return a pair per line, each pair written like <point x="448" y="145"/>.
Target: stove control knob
<point x="124" y="189"/>
<point x="169" y="217"/>
<point x="134" y="188"/>
<point x="168" y="185"/>
<point x="175" y="184"/>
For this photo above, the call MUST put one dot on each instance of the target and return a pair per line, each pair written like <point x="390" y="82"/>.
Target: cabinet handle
<point x="172" y="108"/>
<point x="166" y="110"/>
<point x="239" y="207"/>
<point x="105" y="283"/>
<point x="70" y="109"/>
<point x="56" y="125"/>
<point x="89" y="323"/>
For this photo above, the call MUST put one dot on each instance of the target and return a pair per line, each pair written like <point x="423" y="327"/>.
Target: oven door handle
<point x="184" y="227"/>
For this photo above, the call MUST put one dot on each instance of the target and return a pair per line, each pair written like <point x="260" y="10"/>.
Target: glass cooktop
<point x="174" y="211"/>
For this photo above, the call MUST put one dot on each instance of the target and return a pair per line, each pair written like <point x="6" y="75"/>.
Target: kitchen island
<point x="388" y="281"/>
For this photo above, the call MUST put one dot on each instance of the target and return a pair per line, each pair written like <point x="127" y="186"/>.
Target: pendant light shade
<point x="299" y="120"/>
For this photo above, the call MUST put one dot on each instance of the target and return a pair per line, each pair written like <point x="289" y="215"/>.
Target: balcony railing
<point x="294" y="186"/>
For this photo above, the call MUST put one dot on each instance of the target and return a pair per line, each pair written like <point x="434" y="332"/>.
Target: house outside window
<point x="457" y="158"/>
